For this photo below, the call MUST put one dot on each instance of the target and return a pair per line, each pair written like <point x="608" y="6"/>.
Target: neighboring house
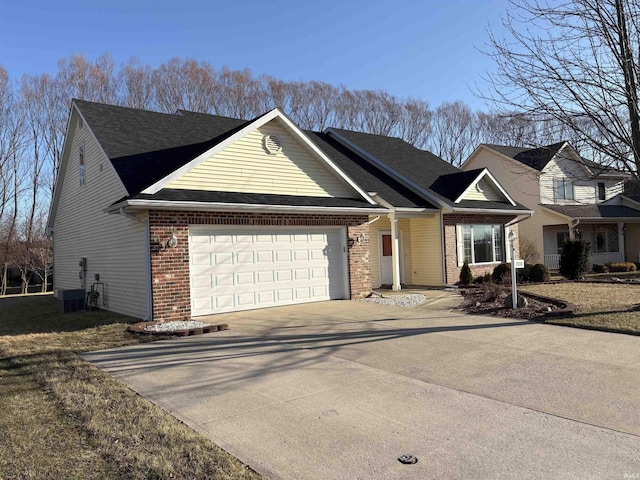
<point x="572" y="198"/>
<point x="186" y="214"/>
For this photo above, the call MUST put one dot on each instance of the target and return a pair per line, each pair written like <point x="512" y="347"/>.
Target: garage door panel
<point x="258" y="268"/>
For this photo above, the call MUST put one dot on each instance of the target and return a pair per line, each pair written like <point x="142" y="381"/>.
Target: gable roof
<point x="538" y="158"/>
<point x="433" y="178"/>
<point x="148" y="149"/>
<point x="145" y="146"/>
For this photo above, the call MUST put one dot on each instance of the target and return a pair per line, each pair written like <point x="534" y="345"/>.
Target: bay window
<point x="480" y="243"/>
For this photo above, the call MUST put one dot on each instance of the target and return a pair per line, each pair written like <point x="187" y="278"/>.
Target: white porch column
<point x="621" y="241"/>
<point x="395" y="252"/>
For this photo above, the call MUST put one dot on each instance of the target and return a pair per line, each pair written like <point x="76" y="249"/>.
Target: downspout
<point x="374" y="220"/>
<point x="147" y="259"/>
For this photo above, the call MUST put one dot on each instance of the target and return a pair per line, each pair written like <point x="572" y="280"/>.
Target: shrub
<point x="466" y="277"/>
<point x="528" y="250"/>
<point x="501" y="272"/>
<point x="524" y="274"/>
<point x="574" y="260"/>
<point x="540" y="273"/>
<point x="621" y="267"/>
<point x="491" y="291"/>
<point x="600" y="268"/>
<point x="487" y="278"/>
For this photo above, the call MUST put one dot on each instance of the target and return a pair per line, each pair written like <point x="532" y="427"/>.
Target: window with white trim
<point x="563" y="189"/>
<point x="81" y="170"/>
<point x="480" y="243"/>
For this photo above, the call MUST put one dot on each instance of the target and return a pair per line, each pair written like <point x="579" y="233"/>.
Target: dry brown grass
<point x="600" y="305"/>
<point x="63" y="418"/>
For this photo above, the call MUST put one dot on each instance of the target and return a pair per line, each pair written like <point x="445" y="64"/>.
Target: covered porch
<point x="612" y="230"/>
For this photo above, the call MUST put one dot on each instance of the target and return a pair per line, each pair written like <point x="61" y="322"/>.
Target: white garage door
<point x="236" y="269"/>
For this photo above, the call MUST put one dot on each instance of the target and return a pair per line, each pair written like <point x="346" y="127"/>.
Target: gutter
<point x="241" y="207"/>
<point x="493" y="211"/>
<point x="147" y="261"/>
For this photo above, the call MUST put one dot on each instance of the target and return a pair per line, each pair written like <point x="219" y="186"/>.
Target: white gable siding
<point x="245" y="166"/>
<point x="488" y="194"/>
<point x="113" y="245"/>
<point x="583" y="189"/>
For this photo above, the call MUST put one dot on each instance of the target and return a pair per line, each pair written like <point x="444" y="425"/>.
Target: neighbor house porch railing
<point x="553" y="261"/>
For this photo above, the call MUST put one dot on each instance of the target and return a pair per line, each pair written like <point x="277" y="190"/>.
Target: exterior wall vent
<point x="272" y="144"/>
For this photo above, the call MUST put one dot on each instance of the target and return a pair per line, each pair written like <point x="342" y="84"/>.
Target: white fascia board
<point x="241" y="207"/>
<point x="501" y="211"/>
<point x="575" y="157"/>
<point x="481" y="175"/>
<point x="398" y="176"/>
<point x="57" y="188"/>
<point x="267" y="117"/>
<point x="404" y="210"/>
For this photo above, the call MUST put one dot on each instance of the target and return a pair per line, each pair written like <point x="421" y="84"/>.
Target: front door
<point x="386" y="260"/>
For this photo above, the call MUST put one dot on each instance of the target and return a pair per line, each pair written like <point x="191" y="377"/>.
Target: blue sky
<point x="427" y="49"/>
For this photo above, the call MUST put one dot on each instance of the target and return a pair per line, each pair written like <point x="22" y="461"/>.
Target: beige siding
<point x="421" y="253"/>
<point x="488" y="194"/>
<point x="245" y="166"/>
<point x="113" y="245"/>
<point x="426" y="251"/>
<point x="632" y="236"/>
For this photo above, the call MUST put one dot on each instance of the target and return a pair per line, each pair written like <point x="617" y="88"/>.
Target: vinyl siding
<point x="488" y="194"/>
<point x="245" y="166"/>
<point x="583" y="187"/>
<point x="113" y="245"/>
<point x="420" y="249"/>
<point x="426" y="251"/>
<point x="632" y="248"/>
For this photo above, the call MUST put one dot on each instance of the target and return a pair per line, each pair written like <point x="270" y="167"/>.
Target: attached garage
<point x="245" y="268"/>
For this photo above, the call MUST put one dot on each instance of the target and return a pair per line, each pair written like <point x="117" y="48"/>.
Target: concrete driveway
<point x="339" y="390"/>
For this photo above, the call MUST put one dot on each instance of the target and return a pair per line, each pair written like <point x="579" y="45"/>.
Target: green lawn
<point x="63" y="418"/>
<point x="611" y="306"/>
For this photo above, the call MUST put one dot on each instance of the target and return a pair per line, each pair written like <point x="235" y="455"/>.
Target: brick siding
<point x="170" y="266"/>
<point x="452" y="269"/>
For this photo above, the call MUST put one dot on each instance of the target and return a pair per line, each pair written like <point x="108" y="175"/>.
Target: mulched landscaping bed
<point x="477" y="300"/>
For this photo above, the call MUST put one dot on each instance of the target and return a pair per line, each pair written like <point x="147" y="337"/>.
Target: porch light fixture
<point x="173" y="241"/>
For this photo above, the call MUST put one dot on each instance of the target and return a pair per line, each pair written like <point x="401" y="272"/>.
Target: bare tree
<point x="576" y="62"/>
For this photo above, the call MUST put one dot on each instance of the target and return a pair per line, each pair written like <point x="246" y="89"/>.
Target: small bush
<point x="540" y="273"/>
<point x="574" y="260"/>
<point x="600" y="268"/>
<point x="466" y="277"/>
<point x="491" y="292"/>
<point x="487" y="278"/>
<point x="501" y="272"/>
<point x="621" y="267"/>
<point x="524" y="274"/>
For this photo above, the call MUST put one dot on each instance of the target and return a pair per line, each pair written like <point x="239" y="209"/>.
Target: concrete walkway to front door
<point x="339" y="390"/>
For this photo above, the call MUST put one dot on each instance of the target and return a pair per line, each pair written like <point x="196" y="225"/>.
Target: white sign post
<point x="514" y="293"/>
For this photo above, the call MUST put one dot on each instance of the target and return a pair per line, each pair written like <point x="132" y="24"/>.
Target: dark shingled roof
<point x="595" y="211"/>
<point x="145" y="146"/>
<point x="369" y="177"/>
<point x="536" y="158"/>
<point x="420" y="166"/>
<point x="451" y="186"/>
<point x="179" y="195"/>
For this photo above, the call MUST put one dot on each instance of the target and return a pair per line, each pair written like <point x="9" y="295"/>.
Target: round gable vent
<point x="272" y="144"/>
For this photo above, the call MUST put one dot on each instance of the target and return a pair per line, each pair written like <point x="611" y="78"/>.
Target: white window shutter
<point x="460" y="245"/>
<point x="507" y="245"/>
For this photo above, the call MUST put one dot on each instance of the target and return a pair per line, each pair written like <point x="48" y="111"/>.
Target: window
<point x="480" y="243"/>
<point x="561" y="238"/>
<point x="563" y="189"/>
<point x="81" y="172"/>
<point x="602" y="191"/>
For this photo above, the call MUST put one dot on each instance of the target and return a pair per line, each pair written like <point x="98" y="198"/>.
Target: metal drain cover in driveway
<point x="407" y="459"/>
